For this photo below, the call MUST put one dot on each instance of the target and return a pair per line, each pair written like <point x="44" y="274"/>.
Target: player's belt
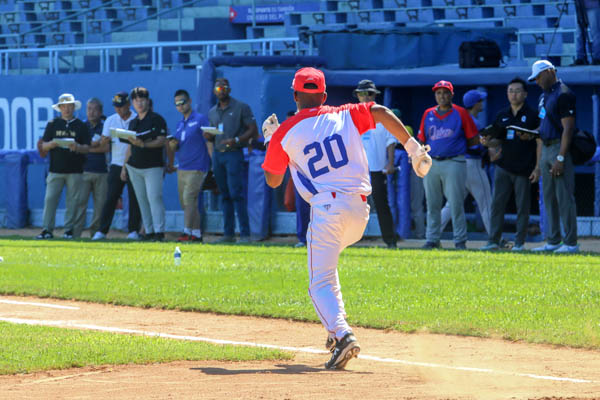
<point x="550" y="142"/>
<point x="442" y="158"/>
<point x="362" y="196"/>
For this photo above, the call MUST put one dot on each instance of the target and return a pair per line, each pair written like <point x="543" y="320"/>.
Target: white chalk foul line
<point x="25" y="303"/>
<point x="288" y="348"/>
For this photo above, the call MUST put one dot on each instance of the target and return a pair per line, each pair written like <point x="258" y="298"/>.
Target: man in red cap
<point x="449" y="130"/>
<point x="322" y="146"/>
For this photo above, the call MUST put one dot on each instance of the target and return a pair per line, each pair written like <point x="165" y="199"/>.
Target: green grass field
<point x="37" y="348"/>
<point x="530" y="297"/>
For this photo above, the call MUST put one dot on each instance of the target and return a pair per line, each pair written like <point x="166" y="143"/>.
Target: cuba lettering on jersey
<point x="447" y="134"/>
<point x="323" y="148"/>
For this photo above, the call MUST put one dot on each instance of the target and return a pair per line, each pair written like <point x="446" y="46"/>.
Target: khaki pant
<point x="189" y="184"/>
<point x="96" y="184"/>
<point x="54" y="186"/>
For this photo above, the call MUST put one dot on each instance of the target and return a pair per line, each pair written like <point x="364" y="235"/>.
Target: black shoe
<point x="68" y="234"/>
<point x="461" y="245"/>
<point x="579" y="61"/>
<point x="147" y="237"/>
<point x="158" y="237"/>
<point x="330" y="343"/>
<point x="432" y="245"/>
<point x="595" y="61"/>
<point x="391" y="245"/>
<point x="344" y="351"/>
<point x="45" y="235"/>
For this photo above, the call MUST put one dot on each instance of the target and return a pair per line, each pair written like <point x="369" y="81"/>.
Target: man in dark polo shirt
<point x="145" y="164"/>
<point x="557" y="114"/>
<point x="95" y="172"/>
<point x="238" y="125"/>
<point x="517" y="164"/>
<point x="66" y="164"/>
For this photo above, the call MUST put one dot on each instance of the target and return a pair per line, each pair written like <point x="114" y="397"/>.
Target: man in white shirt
<point x="379" y="145"/>
<point x="123" y="115"/>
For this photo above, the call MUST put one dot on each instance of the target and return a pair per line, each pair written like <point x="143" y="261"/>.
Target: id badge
<point x="542" y="112"/>
<point x="220" y="127"/>
<point x="510" y="134"/>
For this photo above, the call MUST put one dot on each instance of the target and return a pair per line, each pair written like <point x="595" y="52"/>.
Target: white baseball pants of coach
<point x="478" y="184"/>
<point x="337" y="220"/>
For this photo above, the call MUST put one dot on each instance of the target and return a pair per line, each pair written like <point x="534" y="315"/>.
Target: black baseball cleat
<point x="330" y="343"/>
<point x="344" y="351"/>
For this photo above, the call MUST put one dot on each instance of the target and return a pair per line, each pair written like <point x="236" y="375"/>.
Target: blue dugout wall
<point x="25" y="108"/>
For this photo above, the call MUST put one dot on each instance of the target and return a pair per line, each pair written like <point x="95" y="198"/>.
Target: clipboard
<point x="122" y="133"/>
<point x="523" y="130"/>
<point x="212" y="130"/>
<point x="63" y="142"/>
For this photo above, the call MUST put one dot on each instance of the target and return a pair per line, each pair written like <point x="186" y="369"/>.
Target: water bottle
<point x="177" y="256"/>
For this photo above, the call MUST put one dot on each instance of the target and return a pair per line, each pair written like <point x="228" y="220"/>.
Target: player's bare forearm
<point x="568" y="125"/>
<point x="273" y="180"/>
<point x="386" y="117"/>
<point x="250" y="132"/>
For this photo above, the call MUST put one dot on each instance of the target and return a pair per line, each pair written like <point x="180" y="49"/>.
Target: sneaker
<point x="133" y="236"/>
<point x="432" y="245"/>
<point x="490" y="246"/>
<point x="45" y="235"/>
<point x="518" y="247"/>
<point x="330" y="343"/>
<point x="99" y="236"/>
<point x="460" y="245"/>
<point x="184" y="238"/>
<point x="300" y="244"/>
<point x="196" y="239"/>
<point x="68" y="234"/>
<point x="244" y="240"/>
<point x="225" y="239"/>
<point x="547" y="247"/>
<point x="391" y="245"/>
<point x="158" y="237"/>
<point x="344" y="351"/>
<point x="567" y="249"/>
<point x="147" y="237"/>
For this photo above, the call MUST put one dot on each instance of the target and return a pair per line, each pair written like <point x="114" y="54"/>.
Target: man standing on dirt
<point x="327" y="161"/>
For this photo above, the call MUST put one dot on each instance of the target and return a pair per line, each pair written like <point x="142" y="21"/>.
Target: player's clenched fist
<point x="269" y="126"/>
<point x="421" y="161"/>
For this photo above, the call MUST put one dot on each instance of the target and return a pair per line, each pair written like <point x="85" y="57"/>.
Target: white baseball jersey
<point x="323" y="148"/>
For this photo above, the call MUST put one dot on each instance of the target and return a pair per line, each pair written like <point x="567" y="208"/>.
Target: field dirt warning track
<point x="391" y="365"/>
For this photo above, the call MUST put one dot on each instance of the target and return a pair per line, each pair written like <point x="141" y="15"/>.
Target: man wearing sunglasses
<point x="236" y="121"/>
<point x="194" y="161"/>
<point x="379" y="146"/>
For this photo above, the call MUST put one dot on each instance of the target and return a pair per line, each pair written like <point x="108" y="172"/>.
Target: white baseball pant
<point x="478" y="185"/>
<point x="337" y="220"/>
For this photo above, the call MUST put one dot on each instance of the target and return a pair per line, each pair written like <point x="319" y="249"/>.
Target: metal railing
<point x="209" y="48"/>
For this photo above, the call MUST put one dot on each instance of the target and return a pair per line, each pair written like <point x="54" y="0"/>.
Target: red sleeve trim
<point x="468" y="124"/>
<point x="361" y="116"/>
<point x="421" y="134"/>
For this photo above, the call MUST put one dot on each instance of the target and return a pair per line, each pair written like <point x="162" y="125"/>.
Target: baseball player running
<point x="322" y="146"/>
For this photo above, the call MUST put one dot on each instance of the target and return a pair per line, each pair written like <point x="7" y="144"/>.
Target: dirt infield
<point x="391" y="366"/>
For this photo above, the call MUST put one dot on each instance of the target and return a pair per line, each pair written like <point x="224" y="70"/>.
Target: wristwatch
<point x="237" y="140"/>
<point x="560" y="158"/>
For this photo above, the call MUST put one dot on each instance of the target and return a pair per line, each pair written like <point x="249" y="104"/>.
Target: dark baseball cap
<point x="120" y="99"/>
<point x="139" y="92"/>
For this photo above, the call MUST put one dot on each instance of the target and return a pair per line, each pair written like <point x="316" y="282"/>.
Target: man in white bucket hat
<point x="67" y="139"/>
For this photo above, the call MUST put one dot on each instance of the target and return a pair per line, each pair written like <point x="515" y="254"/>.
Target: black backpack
<point x="583" y="147"/>
<point x="479" y="54"/>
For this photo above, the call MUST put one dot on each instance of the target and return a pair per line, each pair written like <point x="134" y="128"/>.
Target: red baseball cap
<point x="309" y="75"/>
<point x="443" y="84"/>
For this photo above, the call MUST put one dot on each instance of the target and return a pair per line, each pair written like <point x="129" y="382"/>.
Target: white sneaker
<point x="99" y="236"/>
<point x="133" y="236"/>
<point x="490" y="246"/>
<point x="567" y="249"/>
<point x="518" y="247"/>
<point x="547" y="247"/>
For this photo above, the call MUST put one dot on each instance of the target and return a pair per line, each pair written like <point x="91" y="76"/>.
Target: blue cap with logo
<point x="473" y="97"/>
